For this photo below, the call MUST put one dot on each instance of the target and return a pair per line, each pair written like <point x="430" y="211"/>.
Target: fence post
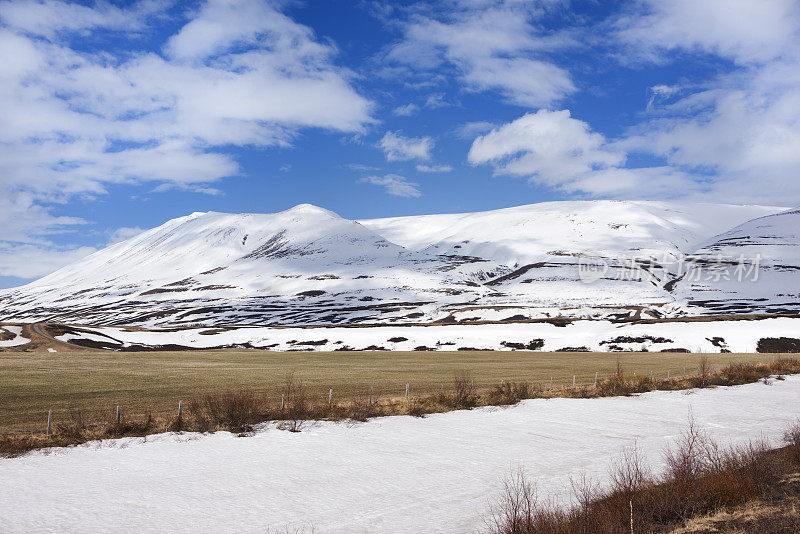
<point x="370" y="394"/>
<point x="330" y="398"/>
<point x="595" y="378"/>
<point x="501" y="383"/>
<point x="667" y="374"/>
<point x="551" y="382"/>
<point x="651" y="375"/>
<point x="406" y="389"/>
<point x="49" y="418"/>
<point x="117" y="414"/>
<point x="282" y="400"/>
<point x="573" y="381"/>
<point x="180" y="408"/>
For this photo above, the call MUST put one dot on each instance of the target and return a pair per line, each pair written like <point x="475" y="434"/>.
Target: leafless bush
<point x="296" y="406"/>
<point x="418" y="407"/>
<point x="74" y="428"/>
<point x="363" y="407"/>
<point x="740" y="373"/>
<point x="704" y="370"/>
<point x="629" y="475"/>
<point x="514" y="510"/>
<point x="792" y="438"/>
<point x="233" y="411"/>
<point x="701" y="477"/>
<point x="615" y="384"/>
<point x="133" y="426"/>
<point x="685" y="462"/>
<point x="509" y="393"/>
<point x="463" y="390"/>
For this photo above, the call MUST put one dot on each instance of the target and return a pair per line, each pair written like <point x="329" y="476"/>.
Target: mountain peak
<point x="310" y="209"/>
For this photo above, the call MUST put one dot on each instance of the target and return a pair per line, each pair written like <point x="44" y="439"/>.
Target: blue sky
<point x="120" y="116"/>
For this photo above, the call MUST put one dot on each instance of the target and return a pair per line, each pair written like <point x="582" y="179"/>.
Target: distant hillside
<point x="307" y="265"/>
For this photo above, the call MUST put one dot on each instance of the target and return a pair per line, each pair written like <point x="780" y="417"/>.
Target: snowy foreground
<point x="395" y="474"/>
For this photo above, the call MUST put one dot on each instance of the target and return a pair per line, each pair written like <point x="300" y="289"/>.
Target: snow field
<point x="394" y="474"/>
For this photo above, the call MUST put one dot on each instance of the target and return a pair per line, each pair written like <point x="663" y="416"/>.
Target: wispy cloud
<point x="470" y="129"/>
<point x="491" y="46"/>
<point x="400" y="148"/>
<point x="394" y="185"/>
<point x="434" y="168"/>
<point x="406" y="111"/>
<point x="737" y="133"/>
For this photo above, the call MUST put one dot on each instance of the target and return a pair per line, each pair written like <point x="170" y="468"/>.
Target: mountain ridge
<point x="308" y="265"/>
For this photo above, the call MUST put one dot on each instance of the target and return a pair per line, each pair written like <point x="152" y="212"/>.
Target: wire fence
<point x="380" y="389"/>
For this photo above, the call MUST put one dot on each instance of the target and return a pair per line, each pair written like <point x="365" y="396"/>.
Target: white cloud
<point x="400" y="148"/>
<point x="362" y="167"/>
<point x="742" y="30"/>
<point x="556" y="150"/>
<point x="470" y="129"/>
<point x="436" y="100"/>
<point x="406" y="111"/>
<point x="238" y="73"/>
<point x="50" y="17"/>
<point x="26" y="260"/>
<point x="730" y="138"/>
<point x="394" y="185"/>
<point x="549" y="146"/>
<point x="661" y="92"/>
<point x="492" y="46"/>
<point x="737" y="133"/>
<point x="434" y="168"/>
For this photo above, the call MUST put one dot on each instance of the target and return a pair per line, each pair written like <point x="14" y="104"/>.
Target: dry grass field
<point x="31" y="383"/>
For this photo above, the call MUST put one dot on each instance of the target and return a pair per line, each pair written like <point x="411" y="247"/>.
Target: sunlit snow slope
<point x="763" y="268"/>
<point x="307" y="265"/>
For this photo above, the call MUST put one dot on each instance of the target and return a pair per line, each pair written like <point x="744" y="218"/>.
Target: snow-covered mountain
<point x="753" y="267"/>
<point x="307" y="265"/>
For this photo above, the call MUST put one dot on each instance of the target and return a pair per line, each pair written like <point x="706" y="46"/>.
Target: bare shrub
<point x="514" y="510"/>
<point x="463" y="390"/>
<point x="629" y="476"/>
<point x="508" y="393"/>
<point x="584" y="493"/>
<point x="615" y="384"/>
<point x="296" y="408"/>
<point x="792" y="438"/>
<point x="685" y="461"/>
<point x="701" y="477"/>
<point x="134" y="426"/>
<point x="703" y="372"/>
<point x="362" y="408"/>
<point x="416" y="408"/>
<point x="739" y="373"/>
<point x="233" y="411"/>
<point x="74" y="428"/>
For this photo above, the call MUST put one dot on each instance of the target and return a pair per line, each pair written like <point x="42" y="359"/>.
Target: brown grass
<point x="95" y="382"/>
<point x="239" y="410"/>
<point x="700" y="478"/>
